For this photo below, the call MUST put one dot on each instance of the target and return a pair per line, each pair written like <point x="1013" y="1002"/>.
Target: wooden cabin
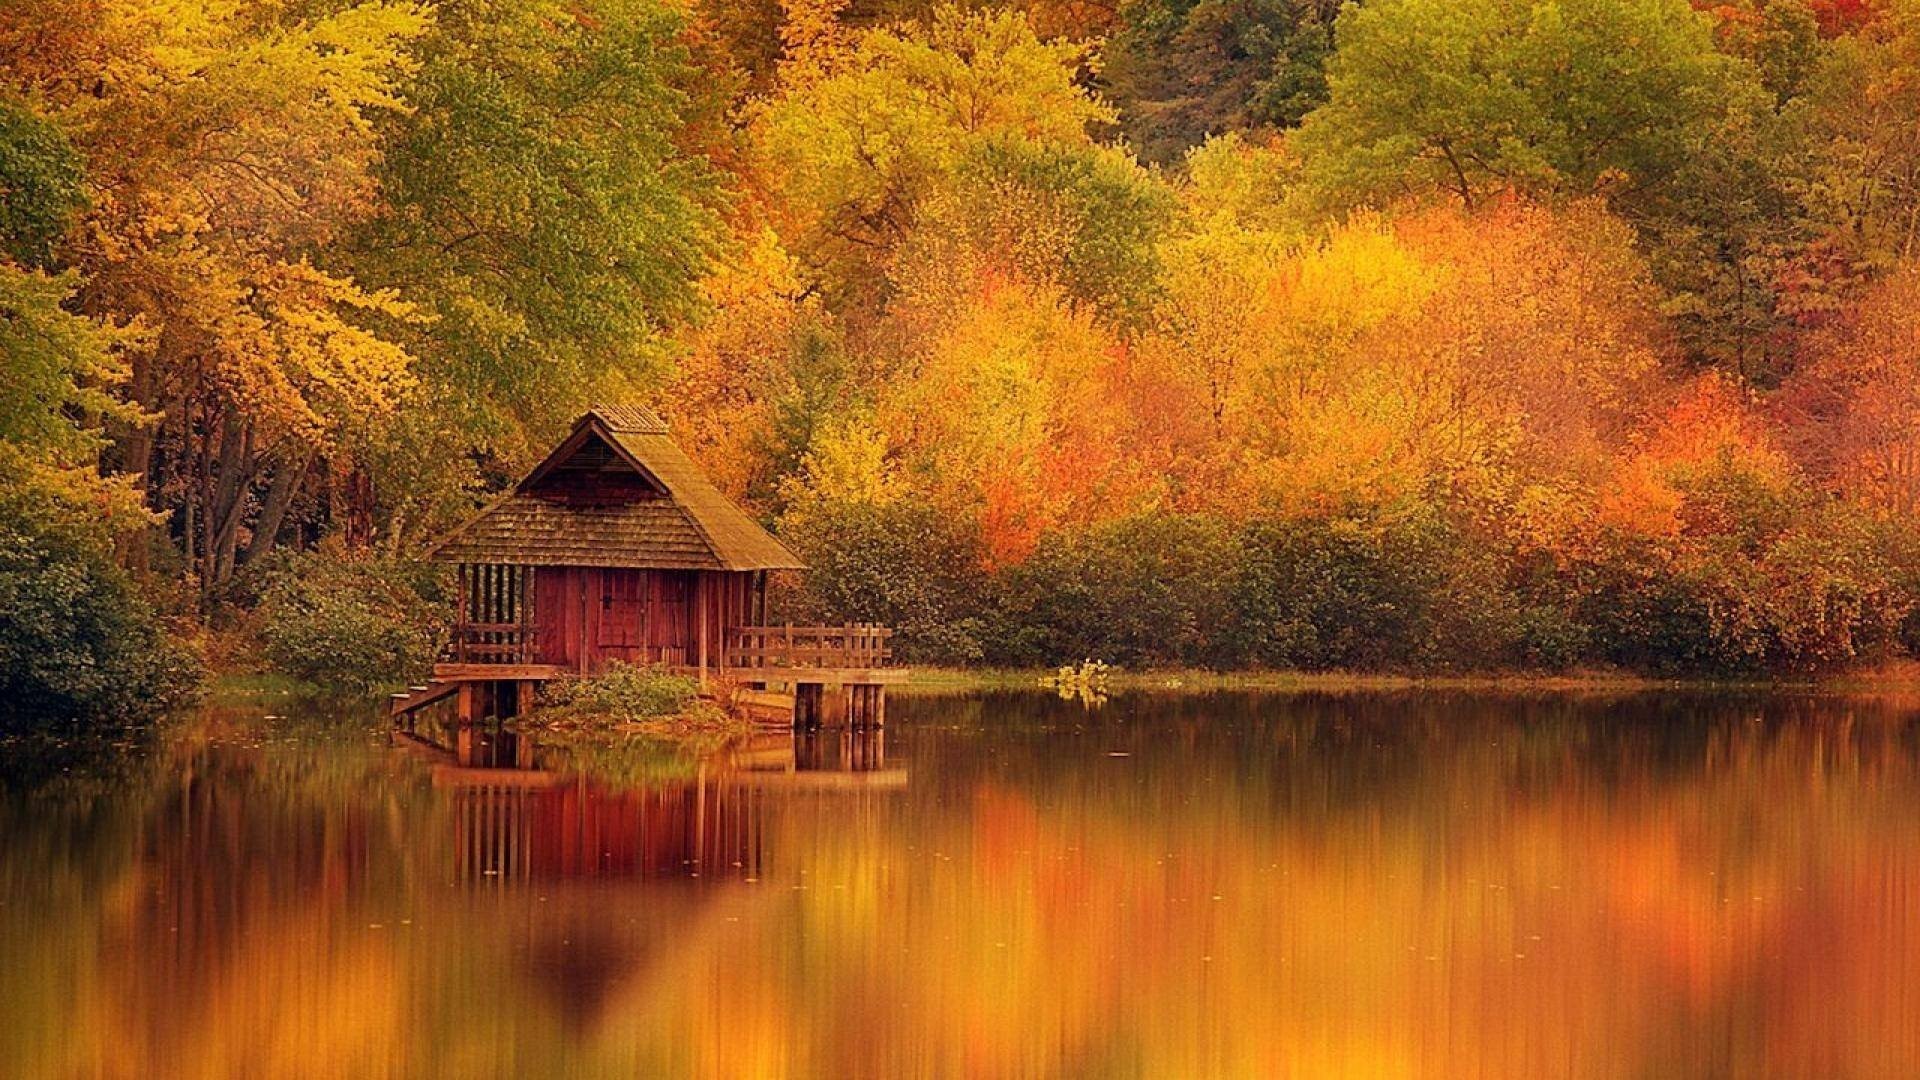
<point x="617" y="547"/>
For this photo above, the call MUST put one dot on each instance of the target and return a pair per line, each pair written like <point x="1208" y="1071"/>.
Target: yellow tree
<point x="1401" y="356"/>
<point x="743" y="363"/>
<point x="1012" y="412"/>
<point x="858" y="135"/>
<point x="225" y="146"/>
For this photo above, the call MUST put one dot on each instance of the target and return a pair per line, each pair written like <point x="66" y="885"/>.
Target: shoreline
<point x="1896" y="677"/>
<point x="1888" y="678"/>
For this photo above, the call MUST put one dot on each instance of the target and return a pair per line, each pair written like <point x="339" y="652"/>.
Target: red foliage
<point x="1839" y="17"/>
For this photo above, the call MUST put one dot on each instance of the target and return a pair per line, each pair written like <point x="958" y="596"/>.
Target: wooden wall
<point x="585" y="616"/>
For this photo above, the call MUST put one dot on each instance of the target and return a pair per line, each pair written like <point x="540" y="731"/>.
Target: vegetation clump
<point x="81" y="648"/>
<point x="351" y="622"/>
<point x="1085" y="682"/>
<point x="632" y="698"/>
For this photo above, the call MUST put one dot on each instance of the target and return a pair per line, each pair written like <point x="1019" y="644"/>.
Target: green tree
<point x="40" y="184"/>
<point x="541" y="206"/>
<point x="1574" y="97"/>
<point x="1181" y="71"/>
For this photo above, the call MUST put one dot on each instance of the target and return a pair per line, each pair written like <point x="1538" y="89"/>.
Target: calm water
<point x="1167" y="886"/>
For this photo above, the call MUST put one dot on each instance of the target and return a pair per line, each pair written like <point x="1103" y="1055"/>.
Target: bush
<point x="622" y="693"/>
<point x="1812" y="591"/>
<point x="1333" y="593"/>
<point x="79" y="646"/>
<point x="1756" y="579"/>
<point x="905" y="564"/>
<point x="352" y="622"/>
<point x="1152" y="589"/>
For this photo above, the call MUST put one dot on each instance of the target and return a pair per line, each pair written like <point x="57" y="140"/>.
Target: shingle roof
<point x="637" y="419"/>
<point x="695" y="527"/>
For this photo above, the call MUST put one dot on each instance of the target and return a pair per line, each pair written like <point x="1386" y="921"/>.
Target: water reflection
<point x="1234" y="885"/>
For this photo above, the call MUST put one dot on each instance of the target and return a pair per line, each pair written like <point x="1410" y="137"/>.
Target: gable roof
<point x="692" y="527"/>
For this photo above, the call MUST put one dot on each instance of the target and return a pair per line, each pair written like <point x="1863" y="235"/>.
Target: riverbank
<point x="1891" y="676"/>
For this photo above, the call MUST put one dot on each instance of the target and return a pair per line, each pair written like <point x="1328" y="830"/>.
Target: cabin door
<point x="560" y="615"/>
<point x="621" y="628"/>
<point x="668" y="633"/>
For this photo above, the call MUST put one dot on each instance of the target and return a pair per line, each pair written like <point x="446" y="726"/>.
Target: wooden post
<point x="460" y="620"/>
<point x="589" y="581"/>
<point x="806" y="705"/>
<point x="700" y="601"/>
<point x="526" y="615"/>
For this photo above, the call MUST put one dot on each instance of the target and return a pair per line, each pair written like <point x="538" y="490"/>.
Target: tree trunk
<point x="287" y="480"/>
<point x="135" y="442"/>
<point x="230" y="495"/>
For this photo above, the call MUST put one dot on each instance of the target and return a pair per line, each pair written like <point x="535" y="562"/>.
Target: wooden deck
<point x="479" y="672"/>
<point x="777" y="669"/>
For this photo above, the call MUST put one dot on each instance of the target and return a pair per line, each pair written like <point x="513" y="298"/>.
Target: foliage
<point x="1137" y="591"/>
<point x="1416" y="334"/>
<point x="57" y="364"/>
<point x="903" y="563"/>
<point x="1472" y="98"/>
<point x="630" y="698"/>
<point x="80" y="649"/>
<point x="351" y="622"/>
<point x="624" y="693"/>
<point x="41" y="175"/>
<point x="863" y="136"/>
<point x="1188" y="69"/>
<point x="537" y="200"/>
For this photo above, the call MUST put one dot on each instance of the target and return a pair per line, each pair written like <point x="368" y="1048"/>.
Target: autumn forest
<point x="1408" y="335"/>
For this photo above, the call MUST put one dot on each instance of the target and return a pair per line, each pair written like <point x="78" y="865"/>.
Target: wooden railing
<point x="855" y="645"/>
<point x="496" y="602"/>
<point x="489" y="643"/>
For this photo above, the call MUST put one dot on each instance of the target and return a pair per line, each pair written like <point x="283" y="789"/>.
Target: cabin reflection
<point x="515" y="821"/>
<point x="509" y="829"/>
<point x="522" y="813"/>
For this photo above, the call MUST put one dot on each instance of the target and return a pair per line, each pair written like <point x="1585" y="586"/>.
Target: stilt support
<point x="866" y="705"/>
<point x="807" y="699"/>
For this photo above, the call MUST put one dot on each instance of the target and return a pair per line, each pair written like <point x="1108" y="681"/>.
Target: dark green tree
<point x="1181" y="71"/>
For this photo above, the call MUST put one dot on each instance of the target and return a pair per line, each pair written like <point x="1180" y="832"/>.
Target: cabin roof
<point x="688" y="525"/>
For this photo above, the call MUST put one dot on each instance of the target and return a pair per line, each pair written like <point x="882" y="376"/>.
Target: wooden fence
<point x="853" y="646"/>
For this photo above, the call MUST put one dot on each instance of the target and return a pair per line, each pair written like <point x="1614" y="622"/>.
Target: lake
<point x="1000" y="885"/>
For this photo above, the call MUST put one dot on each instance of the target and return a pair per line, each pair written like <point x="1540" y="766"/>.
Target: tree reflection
<point x="1411" y="884"/>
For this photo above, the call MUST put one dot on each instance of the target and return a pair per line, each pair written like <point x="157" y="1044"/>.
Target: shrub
<point x="905" y="564"/>
<point x="1151" y="589"/>
<point x="621" y="693"/>
<point x="1334" y="593"/>
<point x="646" y="700"/>
<point x="79" y="646"/>
<point x="352" y="622"/>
